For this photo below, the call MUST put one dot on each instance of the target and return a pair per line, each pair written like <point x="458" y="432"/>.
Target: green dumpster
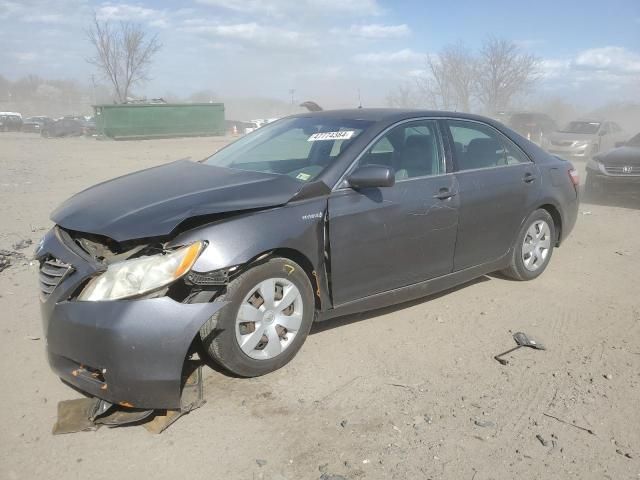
<point x="156" y="120"/>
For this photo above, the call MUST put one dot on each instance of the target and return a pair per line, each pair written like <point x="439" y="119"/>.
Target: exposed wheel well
<point x="306" y="265"/>
<point x="557" y="220"/>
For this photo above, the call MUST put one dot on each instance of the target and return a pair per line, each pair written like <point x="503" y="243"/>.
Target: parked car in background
<point x="258" y="123"/>
<point x="89" y="126"/>
<point x="310" y="217"/>
<point x="252" y="126"/>
<point x="617" y="169"/>
<point x="10" y="122"/>
<point x="536" y="127"/>
<point x="35" y="124"/>
<point x="581" y="139"/>
<point x="64" y="127"/>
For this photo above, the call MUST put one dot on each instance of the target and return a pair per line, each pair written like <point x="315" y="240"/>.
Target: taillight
<point x="575" y="178"/>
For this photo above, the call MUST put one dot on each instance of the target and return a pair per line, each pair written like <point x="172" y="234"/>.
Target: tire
<point x="223" y="333"/>
<point x="593" y="190"/>
<point x="529" y="263"/>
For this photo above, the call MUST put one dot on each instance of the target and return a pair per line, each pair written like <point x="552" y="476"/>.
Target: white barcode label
<point x="344" y="135"/>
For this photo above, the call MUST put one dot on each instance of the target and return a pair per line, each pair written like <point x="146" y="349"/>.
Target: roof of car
<point x="387" y="114"/>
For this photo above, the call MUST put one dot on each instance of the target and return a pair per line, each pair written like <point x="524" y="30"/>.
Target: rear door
<point x="498" y="185"/>
<point x="385" y="238"/>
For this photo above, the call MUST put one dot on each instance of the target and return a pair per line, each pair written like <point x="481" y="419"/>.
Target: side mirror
<point x="620" y="144"/>
<point x="368" y="176"/>
<point x="602" y="133"/>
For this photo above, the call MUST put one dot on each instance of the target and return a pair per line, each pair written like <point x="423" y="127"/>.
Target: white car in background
<point x="256" y="124"/>
<point x="582" y="139"/>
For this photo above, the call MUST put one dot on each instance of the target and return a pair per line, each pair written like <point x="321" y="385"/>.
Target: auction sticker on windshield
<point x="344" y="135"/>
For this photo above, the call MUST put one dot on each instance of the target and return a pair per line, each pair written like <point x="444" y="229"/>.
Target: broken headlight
<point x="141" y="275"/>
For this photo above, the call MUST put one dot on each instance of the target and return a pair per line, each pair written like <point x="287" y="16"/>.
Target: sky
<point x="331" y="51"/>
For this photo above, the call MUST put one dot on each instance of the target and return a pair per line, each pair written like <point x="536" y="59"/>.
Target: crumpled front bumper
<point x="128" y="352"/>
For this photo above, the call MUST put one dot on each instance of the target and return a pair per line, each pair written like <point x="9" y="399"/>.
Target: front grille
<point x="622" y="169"/>
<point x="52" y="271"/>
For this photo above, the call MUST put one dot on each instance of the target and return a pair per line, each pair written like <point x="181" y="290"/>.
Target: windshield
<point x="299" y="147"/>
<point x="589" y="128"/>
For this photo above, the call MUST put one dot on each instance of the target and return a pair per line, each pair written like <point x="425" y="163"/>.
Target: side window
<point x="412" y="150"/>
<point x="480" y="146"/>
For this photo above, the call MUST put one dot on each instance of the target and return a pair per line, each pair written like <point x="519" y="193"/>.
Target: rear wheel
<point x="533" y="247"/>
<point x="270" y="312"/>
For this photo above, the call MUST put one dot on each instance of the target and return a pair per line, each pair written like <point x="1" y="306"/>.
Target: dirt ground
<point x="406" y="392"/>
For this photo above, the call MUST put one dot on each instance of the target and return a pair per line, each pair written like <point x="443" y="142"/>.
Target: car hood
<point x="572" y="137"/>
<point x="153" y="202"/>
<point x="621" y="156"/>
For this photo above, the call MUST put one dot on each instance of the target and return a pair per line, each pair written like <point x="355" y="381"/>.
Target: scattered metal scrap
<point x="88" y="414"/>
<point x="522" y="340"/>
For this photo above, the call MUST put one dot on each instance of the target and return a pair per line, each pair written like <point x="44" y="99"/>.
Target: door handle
<point x="529" y="177"/>
<point x="444" y="193"/>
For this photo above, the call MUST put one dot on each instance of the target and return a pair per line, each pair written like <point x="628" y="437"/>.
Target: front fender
<point x="298" y="226"/>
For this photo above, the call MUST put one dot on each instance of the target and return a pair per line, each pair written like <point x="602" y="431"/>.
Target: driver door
<point x="389" y="237"/>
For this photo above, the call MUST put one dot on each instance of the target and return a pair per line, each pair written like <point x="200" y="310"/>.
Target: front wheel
<point x="533" y="247"/>
<point x="593" y="189"/>
<point x="270" y="311"/>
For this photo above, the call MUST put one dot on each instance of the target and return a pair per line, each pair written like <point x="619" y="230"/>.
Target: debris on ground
<point x="7" y="257"/>
<point x="89" y="414"/>
<point x="522" y="340"/>
<point x="260" y="462"/>
<point x="22" y="244"/>
<point x="570" y="424"/>
<point x="5" y="260"/>
<point x="620" y="452"/>
<point x="541" y="439"/>
<point x="484" y="423"/>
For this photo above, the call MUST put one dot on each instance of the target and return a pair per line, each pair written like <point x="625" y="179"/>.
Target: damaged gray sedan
<point x="308" y="218"/>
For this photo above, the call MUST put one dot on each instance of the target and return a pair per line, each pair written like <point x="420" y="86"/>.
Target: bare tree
<point x="123" y="54"/>
<point x="504" y="71"/>
<point x="449" y="79"/>
<point x="404" y="96"/>
<point x="435" y="85"/>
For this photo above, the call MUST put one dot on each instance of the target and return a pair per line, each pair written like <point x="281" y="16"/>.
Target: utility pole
<point x="292" y="92"/>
